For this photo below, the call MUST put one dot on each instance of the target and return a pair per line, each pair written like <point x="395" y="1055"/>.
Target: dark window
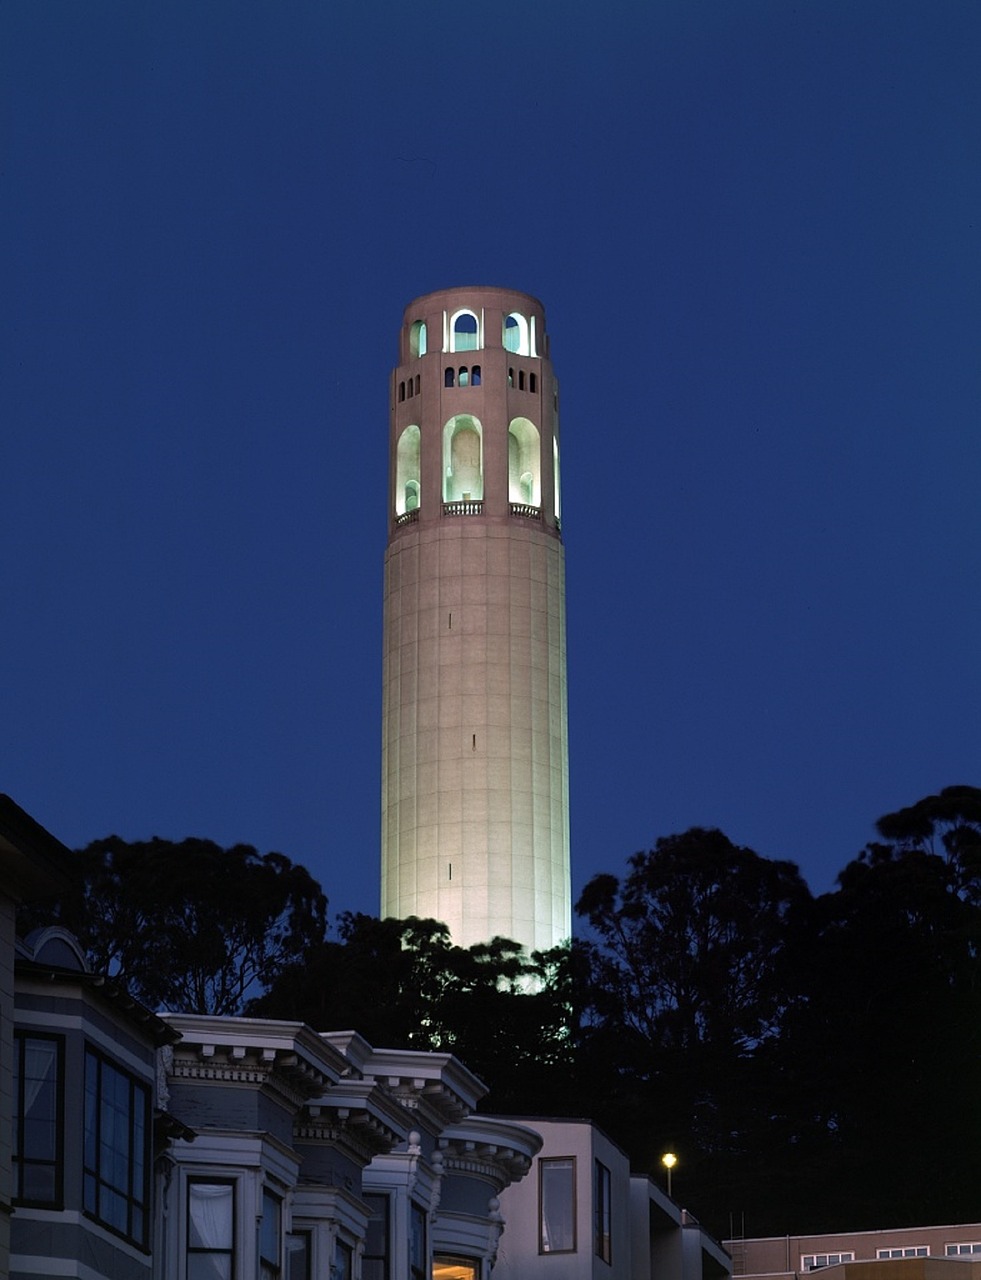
<point x="401" y="391"/>
<point x="532" y="381"/>
<point x="521" y="379"/>
<point x="377" y="1244"/>
<point x="116" y="1154"/>
<point x="410" y="388"/>
<point x="342" y="1267"/>
<point x="418" y="382"/>
<point x="39" y="1108"/>
<point x="475" y="376"/>
<point x="601" y="1212"/>
<point x="298" y="1255"/>
<point x="448" y="378"/>
<point x="418" y="1249"/>
<point x="510" y="377"/>
<point x="210" y="1230"/>
<point x="557" y="1206"/>
<point x="269" y="1235"/>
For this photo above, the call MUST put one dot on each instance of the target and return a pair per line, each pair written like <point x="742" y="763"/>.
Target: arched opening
<point x="463" y="464"/>
<point x="555" y="479"/>
<point x="516" y="334"/>
<point x="465" y="332"/>
<point x="417" y="338"/>
<point x="407" y="471"/>
<point x="475" y="376"/>
<point x="401" y="391"/>
<point x="463" y="379"/>
<point x="449" y="377"/>
<point x="524" y="463"/>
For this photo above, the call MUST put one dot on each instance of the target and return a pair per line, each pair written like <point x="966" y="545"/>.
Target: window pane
<point x="210" y="1215"/>
<point x="557" y="1206"/>
<point x="209" y="1266"/>
<point x="269" y="1229"/>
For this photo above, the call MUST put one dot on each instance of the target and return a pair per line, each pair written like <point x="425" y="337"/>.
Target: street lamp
<point x="669" y="1160"/>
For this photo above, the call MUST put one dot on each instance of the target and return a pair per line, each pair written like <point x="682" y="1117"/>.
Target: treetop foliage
<point x="190" y="926"/>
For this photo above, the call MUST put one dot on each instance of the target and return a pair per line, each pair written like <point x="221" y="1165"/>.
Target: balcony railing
<point x="408" y="517"/>
<point x="465" y="508"/>
<point x="525" y="510"/>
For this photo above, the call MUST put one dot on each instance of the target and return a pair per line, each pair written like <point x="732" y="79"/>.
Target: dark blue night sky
<point x="756" y="229"/>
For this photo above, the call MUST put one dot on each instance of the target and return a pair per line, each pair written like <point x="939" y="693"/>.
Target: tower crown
<point x="474" y="410"/>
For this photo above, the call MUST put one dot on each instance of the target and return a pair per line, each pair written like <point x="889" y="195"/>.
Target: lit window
<point x="557" y="1206"/>
<point x="407" y="474"/>
<point x="210" y="1231"/>
<point x="116" y="1156"/>
<point x="524" y="463"/>
<point x="465" y="332"/>
<point x="463" y="379"/>
<point x="447" y="1268"/>
<point x="812" y="1261"/>
<point x="418" y="1247"/>
<point x="269" y="1235"/>
<point x="463" y="479"/>
<point x="374" y="1260"/>
<point x="298" y="1255"/>
<point x="38" y="1120"/>
<point x="516" y="334"/>
<point x="417" y="338"/>
<point x="601" y="1212"/>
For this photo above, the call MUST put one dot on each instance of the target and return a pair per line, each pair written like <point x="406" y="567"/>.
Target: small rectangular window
<point x="962" y="1250"/>
<point x="377" y="1244"/>
<point x="269" y="1234"/>
<point x="342" y="1268"/>
<point x="557" y="1205"/>
<point x="116" y="1148"/>
<point x="298" y="1255"/>
<point x="814" y="1261"/>
<point x="908" y="1251"/>
<point x="418" y="1245"/>
<point x="210" y="1231"/>
<point x="601" y="1212"/>
<point x="39" y="1108"/>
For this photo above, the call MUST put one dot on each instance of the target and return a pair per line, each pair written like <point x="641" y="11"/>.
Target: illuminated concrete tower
<point x="475" y="775"/>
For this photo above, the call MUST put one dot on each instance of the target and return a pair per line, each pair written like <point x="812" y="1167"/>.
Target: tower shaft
<point x="475" y="813"/>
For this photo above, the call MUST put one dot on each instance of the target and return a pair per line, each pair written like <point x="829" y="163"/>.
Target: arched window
<point x="524" y="463"/>
<point x="410" y="389"/>
<point x="475" y="376"/>
<point x="521" y="379"/>
<point x="463" y="469"/>
<point x="449" y="377"/>
<point x="555" y="479"/>
<point x="407" y="471"/>
<point x="532" y="381"/>
<point x="465" y="332"/>
<point x="417" y="338"/>
<point x="516" y="334"/>
<point x="418" y="382"/>
<point x="510" y="377"/>
<point x="401" y="391"/>
<point x="463" y="379"/>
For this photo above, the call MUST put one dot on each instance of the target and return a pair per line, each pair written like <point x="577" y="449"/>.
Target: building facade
<point x="899" y="1253"/>
<point x="475" y="805"/>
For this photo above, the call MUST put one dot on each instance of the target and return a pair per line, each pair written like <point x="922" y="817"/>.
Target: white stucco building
<point x="475" y="804"/>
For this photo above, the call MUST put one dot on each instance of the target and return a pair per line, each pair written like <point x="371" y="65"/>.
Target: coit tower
<point x="475" y="775"/>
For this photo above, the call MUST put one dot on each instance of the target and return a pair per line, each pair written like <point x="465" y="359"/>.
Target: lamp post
<point x="669" y="1160"/>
